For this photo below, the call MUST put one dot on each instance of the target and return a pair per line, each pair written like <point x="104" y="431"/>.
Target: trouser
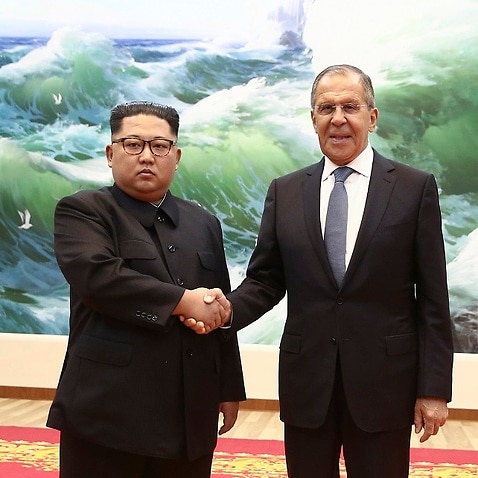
<point x="82" y="459"/>
<point x="315" y="453"/>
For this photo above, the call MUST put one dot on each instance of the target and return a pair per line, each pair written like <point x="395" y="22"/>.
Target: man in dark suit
<point x="139" y="394"/>
<point x="365" y="356"/>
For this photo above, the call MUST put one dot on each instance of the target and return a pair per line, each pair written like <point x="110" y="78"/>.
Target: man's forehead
<point x="145" y="121"/>
<point x="340" y="85"/>
<point x="340" y="96"/>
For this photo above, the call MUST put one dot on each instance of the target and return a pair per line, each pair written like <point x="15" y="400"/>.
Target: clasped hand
<point x="203" y="310"/>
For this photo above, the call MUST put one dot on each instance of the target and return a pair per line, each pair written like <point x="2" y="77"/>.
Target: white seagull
<point x="25" y="217"/>
<point x="57" y="98"/>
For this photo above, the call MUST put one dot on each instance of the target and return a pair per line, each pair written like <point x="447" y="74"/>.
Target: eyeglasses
<point x="348" y="109"/>
<point x="158" y="147"/>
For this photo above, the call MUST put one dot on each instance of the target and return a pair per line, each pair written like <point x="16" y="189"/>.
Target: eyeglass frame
<point x="145" y="141"/>
<point x="341" y="106"/>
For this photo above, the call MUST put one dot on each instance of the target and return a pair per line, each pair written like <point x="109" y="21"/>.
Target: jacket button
<point x="189" y="353"/>
<point x="171" y="248"/>
<point x="179" y="281"/>
<point x="333" y="340"/>
<point x="160" y="218"/>
<point x="340" y="301"/>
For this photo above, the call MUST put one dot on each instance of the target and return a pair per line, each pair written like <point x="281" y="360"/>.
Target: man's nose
<point x="147" y="155"/>
<point x="338" y="116"/>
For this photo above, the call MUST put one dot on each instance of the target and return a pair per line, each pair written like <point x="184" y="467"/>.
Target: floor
<point x="252" y="423"/>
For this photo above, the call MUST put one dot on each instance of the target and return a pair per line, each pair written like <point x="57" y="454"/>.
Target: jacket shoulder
<point x="300" y="174"/>
<point x="89" y="196"/>
<point x="192" y="206"/>
<point x="399" y="167"/>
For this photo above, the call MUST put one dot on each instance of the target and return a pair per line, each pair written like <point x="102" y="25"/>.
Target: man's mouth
<point x="339" y="138"/>
<point x="147" y="172"/>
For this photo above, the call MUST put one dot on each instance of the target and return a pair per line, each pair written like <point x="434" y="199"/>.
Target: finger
<point x="212" y="294"/>
<point x="418" y="422"/>
<point x="200" y="327"/>
<point x="222" y="317"/>
<point x="219" y="318"/>
<point x="199" y="331"/>
<point x="189" y="322"/>
<point x="209" y="298"/>
<point x="429" y="429"/>
<point x="225" y="311"/>
<point x="224" y="429"/>
<point x="196" y="326"/>
<point x="425" y="437"/>
<point x="227" y="424"/>
<point x="223" y="302"/>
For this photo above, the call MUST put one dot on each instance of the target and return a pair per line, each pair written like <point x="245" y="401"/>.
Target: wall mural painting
<point x="244" y="104"/>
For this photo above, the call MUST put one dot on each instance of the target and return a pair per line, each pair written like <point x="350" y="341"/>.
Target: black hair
<point x="134" y="108"/>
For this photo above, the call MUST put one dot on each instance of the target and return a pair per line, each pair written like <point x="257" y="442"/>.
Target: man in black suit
<point x="366" y="355"/>
<point x="139" y="394"/>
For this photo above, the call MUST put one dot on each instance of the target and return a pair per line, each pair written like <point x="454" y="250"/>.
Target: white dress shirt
<point x="356" y="186"/>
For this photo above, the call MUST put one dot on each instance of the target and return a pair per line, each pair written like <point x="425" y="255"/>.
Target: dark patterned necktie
<point x="336" y="224"/>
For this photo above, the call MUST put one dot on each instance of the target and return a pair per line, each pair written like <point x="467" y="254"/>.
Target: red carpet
<point x="33" y="453"/>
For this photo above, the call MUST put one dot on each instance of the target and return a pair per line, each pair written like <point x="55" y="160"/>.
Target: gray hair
<point x="342" y="70"/>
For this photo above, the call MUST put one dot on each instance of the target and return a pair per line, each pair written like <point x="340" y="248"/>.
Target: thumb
<point x="208" y="298"/>
<point x="418" y="421"/>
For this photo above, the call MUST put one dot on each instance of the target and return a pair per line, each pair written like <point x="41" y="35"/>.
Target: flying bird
<point x="57" y="98"/>
<point x="25" y="217"/>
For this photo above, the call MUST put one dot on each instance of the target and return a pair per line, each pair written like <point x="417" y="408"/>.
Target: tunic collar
<point x="145" y="212"/>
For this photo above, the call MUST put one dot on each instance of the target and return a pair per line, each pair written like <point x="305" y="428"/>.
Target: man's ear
<point x="373" y="120"/>
<point x="109" y="154"/>
<point x="178" y="158"/>
<point x="312" y="117"/>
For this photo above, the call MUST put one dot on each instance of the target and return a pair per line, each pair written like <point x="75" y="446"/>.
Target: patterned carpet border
<point x="33" y="453"/>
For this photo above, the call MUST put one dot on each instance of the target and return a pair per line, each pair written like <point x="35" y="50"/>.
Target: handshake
<point x="203" y="310"/>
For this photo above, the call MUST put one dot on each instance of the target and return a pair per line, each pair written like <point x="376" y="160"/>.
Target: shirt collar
<point x="362" y="164"/>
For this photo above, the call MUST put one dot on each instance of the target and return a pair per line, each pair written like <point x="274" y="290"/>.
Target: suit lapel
<point x="380" y="189"/>
<point x="311" y="196"/>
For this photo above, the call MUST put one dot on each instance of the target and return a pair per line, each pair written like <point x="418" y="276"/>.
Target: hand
<point x="229" y="412"/>
<point x="217" y="294"/>
<point x="203" y="310"/>
<point x="430" y="415"/>
<point x="198" y="326"/>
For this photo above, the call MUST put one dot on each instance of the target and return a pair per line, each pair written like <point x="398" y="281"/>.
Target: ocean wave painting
<point x="239" y="74"/>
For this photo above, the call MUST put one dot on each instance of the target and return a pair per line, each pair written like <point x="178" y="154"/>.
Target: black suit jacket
<point x="134" y="377"/>
<point x="390" y="319"/>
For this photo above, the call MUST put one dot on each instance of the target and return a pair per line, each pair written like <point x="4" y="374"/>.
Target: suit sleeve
<point x="232" y="379"/>
<point x="434" y="324"/>
<point x="264" y="285"/>
<point x="90" y="257"/>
